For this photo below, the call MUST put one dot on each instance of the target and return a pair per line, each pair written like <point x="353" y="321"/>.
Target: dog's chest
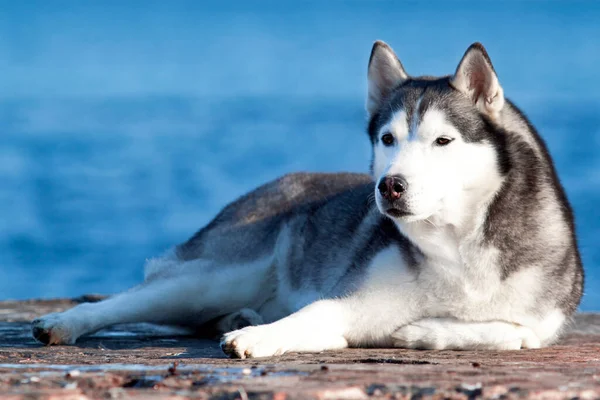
<point x="463" y="279"/>
<point x="473" y="288"/>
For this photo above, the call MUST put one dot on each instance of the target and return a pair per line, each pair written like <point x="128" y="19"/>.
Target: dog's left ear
<point x="476" y="78"/>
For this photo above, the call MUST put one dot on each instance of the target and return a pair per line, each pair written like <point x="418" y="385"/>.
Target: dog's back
<point x="252" y="222"/>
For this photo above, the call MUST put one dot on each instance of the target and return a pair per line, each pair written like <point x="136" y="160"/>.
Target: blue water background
<point x="125" y="126"/>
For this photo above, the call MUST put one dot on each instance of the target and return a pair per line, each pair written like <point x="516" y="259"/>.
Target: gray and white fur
<point x="460" y="238"/>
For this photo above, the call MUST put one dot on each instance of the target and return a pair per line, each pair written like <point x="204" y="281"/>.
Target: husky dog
<point x="460" y="238"/>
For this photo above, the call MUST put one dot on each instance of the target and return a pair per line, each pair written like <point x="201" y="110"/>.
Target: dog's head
<point x="435" y="141"/>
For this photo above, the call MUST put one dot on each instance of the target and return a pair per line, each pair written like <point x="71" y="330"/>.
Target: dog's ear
<point x="476" y="78"/>
<point x="385" y="73"/>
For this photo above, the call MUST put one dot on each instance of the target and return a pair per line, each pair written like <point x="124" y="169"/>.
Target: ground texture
<point x="141" y="361"/>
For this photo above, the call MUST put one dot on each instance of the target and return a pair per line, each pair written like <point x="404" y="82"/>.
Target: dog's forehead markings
<point x="405" y="124"/>
<point x="398" y="125"/>
<point x="434" y="122"/>
<point x="415" y="120"/>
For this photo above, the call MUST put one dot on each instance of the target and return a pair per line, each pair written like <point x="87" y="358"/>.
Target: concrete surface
<point x="147" y="362"/>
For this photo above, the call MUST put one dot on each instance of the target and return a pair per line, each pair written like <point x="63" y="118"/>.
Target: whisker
<point x="431" y="223"/>
<point x="371" y="199"/>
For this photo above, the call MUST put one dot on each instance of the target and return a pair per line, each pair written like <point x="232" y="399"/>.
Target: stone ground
<point x="144" y="362"/>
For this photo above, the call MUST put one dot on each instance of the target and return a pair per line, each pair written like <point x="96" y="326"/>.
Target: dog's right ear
<point x="385" y="74"/>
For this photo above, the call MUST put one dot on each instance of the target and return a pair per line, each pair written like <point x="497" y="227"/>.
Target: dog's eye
<point x="387" y="139"/>
<point x="442" y="141"/>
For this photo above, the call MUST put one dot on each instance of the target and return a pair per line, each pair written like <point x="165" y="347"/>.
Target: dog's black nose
<point x="392" y="187"/>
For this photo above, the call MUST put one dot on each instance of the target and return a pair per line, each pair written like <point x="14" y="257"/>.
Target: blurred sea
<point x="125" y="126"/>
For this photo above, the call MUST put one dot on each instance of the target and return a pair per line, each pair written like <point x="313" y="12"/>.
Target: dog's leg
<point x="316" y="327"/>
<point x="453" y="334"/>
<point x="187" y="299"/>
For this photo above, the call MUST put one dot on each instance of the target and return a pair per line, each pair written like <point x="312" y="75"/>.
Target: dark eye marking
<point x="443" y="141"/>
<point x="387" y="139"/>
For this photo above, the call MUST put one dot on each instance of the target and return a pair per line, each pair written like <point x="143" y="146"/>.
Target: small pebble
<point x="470" y="387"/>
<point x="173" y="368"/>
<point x="73" y="374"/>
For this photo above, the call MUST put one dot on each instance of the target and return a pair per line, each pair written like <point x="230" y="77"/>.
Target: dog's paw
<point x="53" y="329"/>
<point x="528" y="339"/>
<point x="238" y="320"/>
<point x="441" y="334"/>
<point x="416" y="336"/>
<point x="252" y="342"/>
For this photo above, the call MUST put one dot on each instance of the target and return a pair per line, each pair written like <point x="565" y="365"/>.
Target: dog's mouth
<point x="394" y="212"/>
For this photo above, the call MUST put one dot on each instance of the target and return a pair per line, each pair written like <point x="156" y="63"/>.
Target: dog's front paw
<point x="252" y="342"/>
<point x="417" y="337"/>
<point x="446" y="334"/>
<point x="53" y="329"/>
<point x="528" y="339"/>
